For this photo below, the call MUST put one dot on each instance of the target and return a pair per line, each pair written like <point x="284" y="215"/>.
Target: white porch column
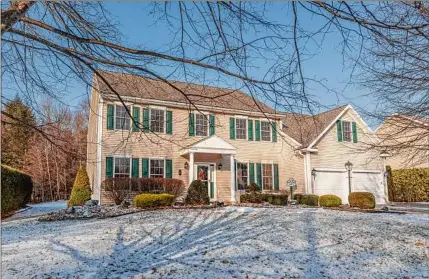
<point x="308" y="174"/>
<point x="191" y="167"/>
<point x="232" y="178"/>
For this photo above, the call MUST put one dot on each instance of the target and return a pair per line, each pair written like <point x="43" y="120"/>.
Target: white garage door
<point x="370" y="182"/>
<point x="332" y="183"/>
<point x="336" y="183"/>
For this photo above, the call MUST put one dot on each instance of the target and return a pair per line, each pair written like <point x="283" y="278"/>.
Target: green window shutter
<point x="251" y="172"/>
<point x="276" y="176"/>
<point x="250" y="129"/>
<point x="145" y="167"/>
<point x="191" y="124"/>
<point x="168" y="168"/>
<point x="109" y="167"/>
<point x="110" y="116"/>
<point x="354" y="130"/>
<point x="169" y="130"/>
<point x="135" y="167"/>
<point x="259" y="175"/>
<point x="136" y="118"/>
<point x="232" y="128"/>
<point x="212" y="124"/>
<point x="274" y="131"/>
<point x="339" y="130"/>
<point x="145" y="119"/>
<point x="257" y="130"/>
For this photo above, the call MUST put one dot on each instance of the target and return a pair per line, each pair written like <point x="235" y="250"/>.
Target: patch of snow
<point x="220" y="243"/>
<point x="39" y="209"/>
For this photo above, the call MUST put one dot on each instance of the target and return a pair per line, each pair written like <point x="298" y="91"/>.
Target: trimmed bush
<point x="362" y="200"/>
<point x="120" y="189"/>
<point x="81" y="191"/>
<point x="253" y="187"/>
<point x="275" y="199"/>
<point x="197" y="193"/>
<point x="307" y="199"/>
<point x="252" y="197"/>
<point x="330" y="201"/>
<point x="16" y="189"/>
<point x="410" y="185"/>
<point x="153" y="200"/>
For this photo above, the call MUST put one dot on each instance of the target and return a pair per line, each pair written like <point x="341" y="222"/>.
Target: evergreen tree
<point x="81" y="191"/>
<point x="17" y="121"/>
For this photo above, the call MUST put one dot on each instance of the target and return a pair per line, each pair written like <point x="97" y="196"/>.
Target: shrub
<point x="307" y="199"/>
<point x="252" y="197"/>
<point x="330" y="201"/>
<point x="253" y="187"/>
<point x="363" y="200"/>
<point x="275" y="199"/>
<point x="197" y="193"/>
<point x="408" y="185"/>
<point x="16" y="189"/>
<point x="119" y="189"/>
<point x="153" y="200"/>
<point x="81" y="191"/>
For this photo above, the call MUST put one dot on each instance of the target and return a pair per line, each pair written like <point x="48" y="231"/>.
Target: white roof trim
<point x="213" y="144"/>
<point x="289" y="137"/>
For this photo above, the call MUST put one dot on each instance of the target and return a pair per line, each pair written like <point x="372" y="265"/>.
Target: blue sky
<point x="138" y="28"/>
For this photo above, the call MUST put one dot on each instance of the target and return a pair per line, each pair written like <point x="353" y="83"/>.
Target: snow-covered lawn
<point x="220" y="243"/>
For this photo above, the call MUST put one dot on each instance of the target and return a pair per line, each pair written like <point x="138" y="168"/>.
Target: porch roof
<point x="213" y="144"/>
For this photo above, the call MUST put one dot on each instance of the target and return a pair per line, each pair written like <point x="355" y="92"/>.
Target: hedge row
<point x="330" y="201"/>
<point x="271" y="198"/>
<point x="16" y="189"/>
<point x="410" y="185"/>
<point x="153" y="200"/>
<point x="307" y="199"/>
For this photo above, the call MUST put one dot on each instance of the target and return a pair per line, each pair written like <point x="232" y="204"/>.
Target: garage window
<point x="347" y="131"/>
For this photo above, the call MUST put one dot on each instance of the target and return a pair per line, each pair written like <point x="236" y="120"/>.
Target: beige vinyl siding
<point x="148" y="145"/>
<point x="334" y="154"/>
<point x="393" y="133"/>
<point x="91" y="164"/>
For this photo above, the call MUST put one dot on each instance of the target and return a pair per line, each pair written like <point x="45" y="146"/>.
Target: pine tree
<point x="81" y="191"/>
<point x="17" y="121"/>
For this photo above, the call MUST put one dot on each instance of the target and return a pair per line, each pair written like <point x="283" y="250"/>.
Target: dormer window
<point x="347" y="131"/>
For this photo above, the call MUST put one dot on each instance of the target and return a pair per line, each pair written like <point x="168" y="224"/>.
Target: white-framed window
<point x="201" y="125"/>
<point x="242" y="176"/>
<point x="347" y="131"/>
<point x="157" y="120"/>
<point x="157" y="168"/>
<point x="241" y="128"/>
<point x="265" y="131"/>
<point x="267" y="177"/>
<point x="122" y="118"/>
<point x="122" y="167"/>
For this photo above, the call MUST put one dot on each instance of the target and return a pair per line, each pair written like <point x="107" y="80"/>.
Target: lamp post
<point x="349" y="168"/>
<point x="313" y="181"/>
<point x="384" y="154"/>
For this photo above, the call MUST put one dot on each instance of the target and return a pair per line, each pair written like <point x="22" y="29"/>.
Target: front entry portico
<point x="205" y="157"/>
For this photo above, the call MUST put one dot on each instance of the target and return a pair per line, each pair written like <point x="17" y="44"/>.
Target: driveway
<point x="220" y="243"/>
<point x="38" y="209"/>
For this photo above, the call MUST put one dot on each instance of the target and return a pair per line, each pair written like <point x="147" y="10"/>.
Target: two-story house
<point x="223" y="137"/>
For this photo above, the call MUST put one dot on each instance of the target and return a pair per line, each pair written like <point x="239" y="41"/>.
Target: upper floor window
<point x="122" y="167"/>
<point x="240" y="128"/>
<point x="242" y="176"/>
<point x="347" y="131"/>
<point x="267" y="176"/>
<point x="201" y="125"/>
<point x="122" y="118"/>
<point x="157" y="120"/>
<point x="265" y="131"/>
<point x="156" y="168"/>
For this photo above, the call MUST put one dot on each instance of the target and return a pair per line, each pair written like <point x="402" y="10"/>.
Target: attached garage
<point x="336" y="182"/>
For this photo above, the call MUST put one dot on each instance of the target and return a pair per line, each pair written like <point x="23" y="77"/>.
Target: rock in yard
<point x="125" y="204"/>
<point x="91" y="203"/>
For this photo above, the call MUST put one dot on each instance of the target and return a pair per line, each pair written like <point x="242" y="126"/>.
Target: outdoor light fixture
<point x="186" y="166"/>
<point x="180" y="172"/>
<point x="349" y="167"/>
<point x="219" y="167"/>
<point x="313" y="172"/>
